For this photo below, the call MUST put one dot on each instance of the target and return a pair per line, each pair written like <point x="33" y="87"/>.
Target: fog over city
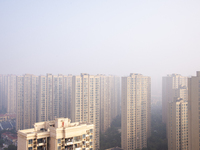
<point x="154" y="38"/>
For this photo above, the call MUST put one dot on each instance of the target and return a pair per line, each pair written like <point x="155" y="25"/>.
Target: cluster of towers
<point x="82" y="98"/>
<point x="95" y="99"/>
<point x="181" y="111"/>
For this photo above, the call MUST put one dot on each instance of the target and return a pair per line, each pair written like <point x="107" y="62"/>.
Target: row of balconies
<point x="77" y="146"/>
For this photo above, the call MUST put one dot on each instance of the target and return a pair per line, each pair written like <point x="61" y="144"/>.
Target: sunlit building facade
<point x="59" y="134"/>
<point x="136" y="111"/>
<point x="178" y="120"/>
<point x="86" y="102"/>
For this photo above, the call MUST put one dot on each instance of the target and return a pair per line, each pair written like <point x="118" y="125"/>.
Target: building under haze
<point x="59" y="134"/>
<point x="42" y="98"/>
<point x="8" y="93"/>
<point x="136" y="111"/>
<point x="26" y="101"/>
<point x="178" y="120"/>
<point x="82" y="98"/>
<point x="86" y="102"/>
<point x="194" y="111"/>
<point x="169" y="83"/>
<point x="110" y="100"/>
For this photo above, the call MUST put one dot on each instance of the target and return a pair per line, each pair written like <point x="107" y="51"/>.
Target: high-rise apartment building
<point x="136" y="111"/>
<point x="11" y="94"/>
<point x="8" y="93"/>
<point x="115" y="96"/>
<point x="110" y="100"/>
<point x="1" y="91"/>
<point x="178" y="120"/>
<point x="169" y="83"/>
<point x="194" y="111"/>
<point x="67" y="95"/>
<point x="86" y="102"/>
<point x="178" y="125"/>
<point x="26" y="101"/>
<point x="59" y="134"/>
<point x="58" y="96"/>
<point x="41" y="99"/>
<point x="49" y="96"/>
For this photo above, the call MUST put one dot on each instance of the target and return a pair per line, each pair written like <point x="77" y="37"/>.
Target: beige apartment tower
<point x="194" y="111"/>
<point x="136" y="111"/>
<point x="178" y="125"/>
<point x="169" y="83"/>
<point x="86" y="102"/>
<point x="110" y="100"/>
<point x="59" y="134"/>
<point x="26" y="101"/>
<point x="8" y="93"/>
<point x="41" y="99"/>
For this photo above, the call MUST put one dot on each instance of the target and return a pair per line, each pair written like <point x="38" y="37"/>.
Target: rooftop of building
<point x="40" y="127"/>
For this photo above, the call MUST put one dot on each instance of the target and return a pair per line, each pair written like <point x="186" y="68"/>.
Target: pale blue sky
<point x="153" y="38"/>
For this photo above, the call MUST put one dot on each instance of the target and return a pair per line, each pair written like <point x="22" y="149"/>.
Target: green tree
<point x="1" y="142"/>
<point x="11" y="147"/>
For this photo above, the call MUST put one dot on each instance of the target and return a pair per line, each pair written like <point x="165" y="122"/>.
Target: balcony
<point x="77" y="138"/>
<point x="69" y="141"/>
<point x="69" y="147"/>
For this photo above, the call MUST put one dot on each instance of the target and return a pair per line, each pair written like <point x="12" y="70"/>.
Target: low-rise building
<point x="59" y="134"/>
<point x="10" y="137"/>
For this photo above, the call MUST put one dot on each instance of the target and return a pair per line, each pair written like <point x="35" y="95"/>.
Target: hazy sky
<point x="154" y="38"/>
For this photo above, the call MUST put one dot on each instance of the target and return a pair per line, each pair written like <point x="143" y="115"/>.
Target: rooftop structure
<point x="59" y="134"/>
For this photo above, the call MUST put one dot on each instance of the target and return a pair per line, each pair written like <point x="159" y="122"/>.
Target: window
<point x="59" y="140"/>
<point x="91" y="130"/>
<point x="30" y="141"/>
<point x="30" y="148"/>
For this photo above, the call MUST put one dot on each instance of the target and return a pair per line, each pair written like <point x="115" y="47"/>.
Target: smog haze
<point x="154" y="38"/>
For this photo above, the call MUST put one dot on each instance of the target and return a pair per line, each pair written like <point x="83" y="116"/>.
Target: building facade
<point x="169" y="83"/>
<point x="86" y="102"/>
<point x="26" y="101"/>
<point x="178" y="125"/>
<point x="59" y="134"/>
<point x="110" y="100"/>
<point x="194" y="111"/>
<point x="136" y="111"/>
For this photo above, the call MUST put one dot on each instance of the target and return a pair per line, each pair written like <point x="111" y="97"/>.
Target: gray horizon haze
<point x="153" y="38"/>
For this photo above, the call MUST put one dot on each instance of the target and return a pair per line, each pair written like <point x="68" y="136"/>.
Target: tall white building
<point x="110" y="100"/>
<point x="169" y="83"/>
<point x="86" y="102"/>
<point x="178" y="120"/>
<point x="41" y="99"/>
<point x="26" y="101"/>
<point x="136" y="111"/>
